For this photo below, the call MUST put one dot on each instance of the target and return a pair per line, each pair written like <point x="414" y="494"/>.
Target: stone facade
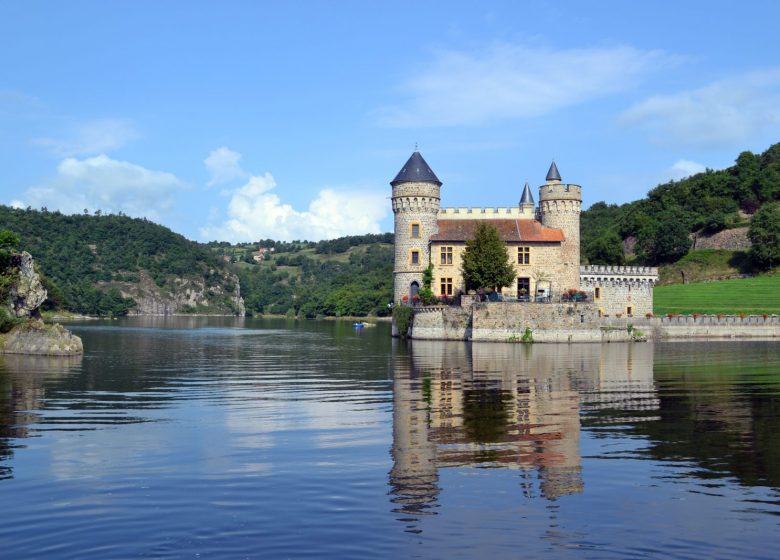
<point x="560" y="207"/>
<point x="620" y="290"/>
<point x="543" y="243"/>
<point x="415" y="206"/>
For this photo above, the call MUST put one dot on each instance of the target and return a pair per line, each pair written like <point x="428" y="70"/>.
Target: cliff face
<point x="219" y="294"/>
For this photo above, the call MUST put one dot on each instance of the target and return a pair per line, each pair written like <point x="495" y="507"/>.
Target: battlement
<point x="526" y="213"/>
<point x="560" y="191"/>
<point x="608" y="270"/>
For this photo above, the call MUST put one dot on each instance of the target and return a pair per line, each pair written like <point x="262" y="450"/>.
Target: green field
<point x="749" y="295"/>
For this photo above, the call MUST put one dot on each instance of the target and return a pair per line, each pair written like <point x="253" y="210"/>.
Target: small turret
<point x="527" y="201"/>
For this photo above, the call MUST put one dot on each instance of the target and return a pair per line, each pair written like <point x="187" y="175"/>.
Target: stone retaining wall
<point x="576" y="322"/>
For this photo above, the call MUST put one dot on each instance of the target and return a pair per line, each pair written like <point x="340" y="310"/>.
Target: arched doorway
<point x="414" y="289"/>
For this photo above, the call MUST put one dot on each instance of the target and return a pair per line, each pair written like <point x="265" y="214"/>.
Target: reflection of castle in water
<point x="505" y="406"/>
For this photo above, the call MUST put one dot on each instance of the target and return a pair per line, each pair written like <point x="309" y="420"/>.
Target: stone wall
<point x="703" y="326"/>
<point x="576" y="322"/>
<point x="507" y="322"/>
<point x="554" y="322"/>
<point x="442" y="323"/>
<point x="732" y="239"/>
<point x="622" y="290"/>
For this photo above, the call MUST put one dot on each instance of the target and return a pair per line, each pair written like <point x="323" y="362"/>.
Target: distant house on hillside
<point x="262" y="254"/>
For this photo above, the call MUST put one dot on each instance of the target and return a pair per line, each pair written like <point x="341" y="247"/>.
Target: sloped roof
<point x="527" y="197"/>
<point x="552" y="174"/>
<point x="509" y="230"/>
<point x="416" y="170"/>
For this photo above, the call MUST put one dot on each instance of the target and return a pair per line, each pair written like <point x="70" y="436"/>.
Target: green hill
<point x="658" y="227"/>
<point x="112" y="264"/>
<point x="349" y="276"/>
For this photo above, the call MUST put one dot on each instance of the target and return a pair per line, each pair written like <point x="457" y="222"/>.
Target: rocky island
<point x="23" y="330"/>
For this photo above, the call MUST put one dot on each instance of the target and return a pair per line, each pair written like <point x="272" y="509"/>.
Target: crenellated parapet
<point x="560" y="191"/>
<point x="527" y="213"/>
<point x="599" y="274"/>
<point x="416" y="204"/>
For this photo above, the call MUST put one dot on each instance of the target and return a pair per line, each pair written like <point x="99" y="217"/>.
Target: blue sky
<point x="246" y="120"/>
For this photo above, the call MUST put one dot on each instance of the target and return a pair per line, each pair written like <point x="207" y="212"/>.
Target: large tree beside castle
<point x="486" y="261"/>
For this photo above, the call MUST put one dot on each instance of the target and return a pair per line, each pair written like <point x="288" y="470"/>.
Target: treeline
<point x="308" y="285"/>
<point x="77" y="253"/>
<point x="661" y="224"/>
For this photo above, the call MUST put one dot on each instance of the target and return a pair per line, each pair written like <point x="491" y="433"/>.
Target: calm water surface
<point x="218" y="438"/>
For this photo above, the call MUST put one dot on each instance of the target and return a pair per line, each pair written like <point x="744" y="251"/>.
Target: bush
<point x="402" y="316"/>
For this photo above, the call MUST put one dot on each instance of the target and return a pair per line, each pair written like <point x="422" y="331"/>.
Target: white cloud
<point x="223" y="166"/>
<point x="724" y="113"/>
<point x="255" y="212"/>
<point x="90" y="138"/>
<point x="685" y="168"/>
<point x="105" y="184"/>
<point x="509" y="81"/>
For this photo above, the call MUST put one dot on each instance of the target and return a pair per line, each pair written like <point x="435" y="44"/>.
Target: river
<point x="226" y="438"/>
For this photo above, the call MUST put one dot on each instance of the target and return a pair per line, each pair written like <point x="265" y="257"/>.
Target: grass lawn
<point x="749" y="295"/>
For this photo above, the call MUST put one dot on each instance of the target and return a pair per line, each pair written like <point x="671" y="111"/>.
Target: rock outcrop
<point x="217" y="294"/>
<point x="36" y="337"/>
<point x="27" y="293"/>
<point x="30" y="335"/>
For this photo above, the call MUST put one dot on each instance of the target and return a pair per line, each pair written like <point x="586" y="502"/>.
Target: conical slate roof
<point x="527" y="197"/>
<point x="552" y="174"/>
<point x="415" y="170"/>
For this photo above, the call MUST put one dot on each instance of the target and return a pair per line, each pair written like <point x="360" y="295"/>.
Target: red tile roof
<point x="509" y="230"/>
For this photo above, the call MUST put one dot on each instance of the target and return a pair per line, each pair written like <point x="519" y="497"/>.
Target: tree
<point x="764" y="234"/>
<point x="486" y="261"/>
<point x="670" y="242"/>
<point x="606" y="249"/>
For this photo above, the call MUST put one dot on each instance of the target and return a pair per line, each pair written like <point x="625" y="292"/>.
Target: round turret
<point x="416" y="201"/>
<point x="560" y="205"/>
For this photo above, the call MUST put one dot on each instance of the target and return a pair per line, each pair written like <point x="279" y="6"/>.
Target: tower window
<point x="415" y="231"/>
<point x="523" y="255"/>
<point x="415" y="257"/>
<point x="446" y="255"/>
<point x="597" y="294"/>
<point x="446" y="286"/>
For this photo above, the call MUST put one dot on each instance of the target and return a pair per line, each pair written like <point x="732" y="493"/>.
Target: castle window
<point x="630" y="311"/>
<point x="415" y="230"/>
<point x="523" y="255"/>
<point x="597" y="294"/>
<point x="446" y="286"/>
<point x="524" y="289"/>
<point x="415" y="257"/>
<point x="446" y="255"/>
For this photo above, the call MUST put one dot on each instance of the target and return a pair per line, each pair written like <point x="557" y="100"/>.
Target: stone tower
<point x="560" y="205"/>
<point x="416" y="201"/>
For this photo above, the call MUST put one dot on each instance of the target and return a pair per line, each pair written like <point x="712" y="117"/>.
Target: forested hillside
<point x="657" y="229"/>
<point x="98" y="264"/>
<point x="346" y="276"/>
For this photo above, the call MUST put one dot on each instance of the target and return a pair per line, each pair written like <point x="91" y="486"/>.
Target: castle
<point x="543" y="242"/>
